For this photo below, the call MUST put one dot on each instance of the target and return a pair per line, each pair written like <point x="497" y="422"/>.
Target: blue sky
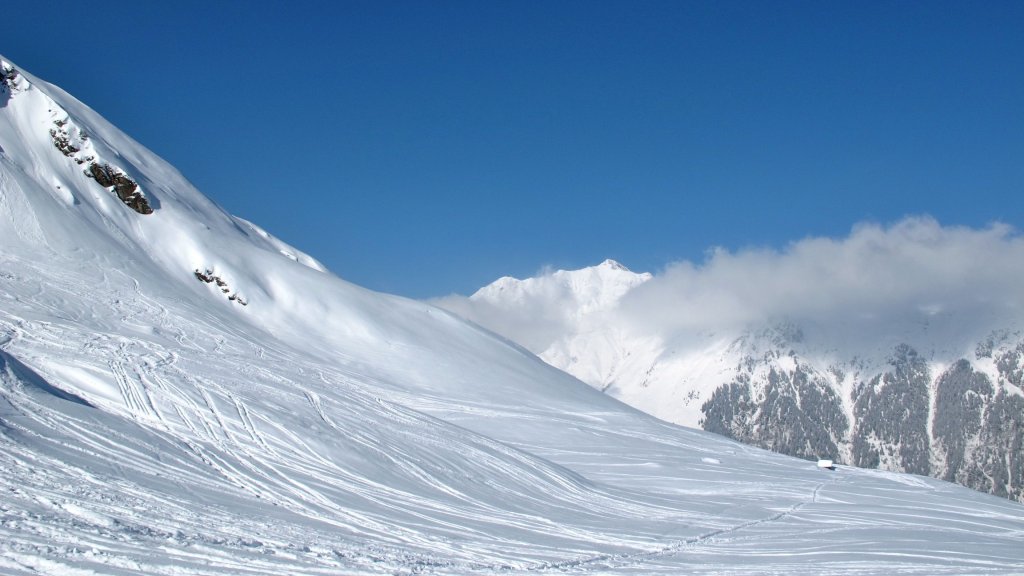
<point x="424" y="148"/>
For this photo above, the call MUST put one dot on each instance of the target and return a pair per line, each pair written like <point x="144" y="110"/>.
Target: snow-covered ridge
<point x="150" y="425"/>
<point x="73" y="142"/>
<point x="46" y="131"/>
<point x="590" y="289"/>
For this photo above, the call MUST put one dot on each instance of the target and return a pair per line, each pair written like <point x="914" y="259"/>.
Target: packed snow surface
<point x="151" y="424"/>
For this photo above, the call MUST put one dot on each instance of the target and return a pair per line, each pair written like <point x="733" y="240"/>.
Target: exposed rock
<point x="794" y="413"/>
<point x="730" y="411"/>
<point x="124" y="187"/>
<point x="69" y="140"/>
<point x="8" y="77"/>
<point x="62" y="140"/>
<point x="210" y="278"/>
<point x="963" y="426"/>
<point x="1000" y="455"/>
<point x="8" y="82"/>
<point x="891" y="413"/>
<point x="961" y="396"/>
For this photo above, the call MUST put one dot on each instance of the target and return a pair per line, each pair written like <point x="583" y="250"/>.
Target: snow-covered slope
<point x="929" y="391"/>
<point x="181" y="393"/>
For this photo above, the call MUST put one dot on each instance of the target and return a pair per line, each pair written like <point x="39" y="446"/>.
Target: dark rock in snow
<point x="964" y="427"/>
<point x="891" y="413"/>
<point x="210" y="278"/>
<point x="794" y="413"/>
<point x="125" y="188"/>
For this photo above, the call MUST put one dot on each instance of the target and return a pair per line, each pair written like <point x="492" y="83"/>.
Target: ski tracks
<point x="248" y="425"/>
<point x="685" y="546"/>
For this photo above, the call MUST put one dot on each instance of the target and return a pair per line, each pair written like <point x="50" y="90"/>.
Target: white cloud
<point x="876" y="278"/>
<point x="914" y="266"/>
<point x="533" y="323"/>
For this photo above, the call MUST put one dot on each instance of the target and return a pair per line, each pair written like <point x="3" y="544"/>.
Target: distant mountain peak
<point x="613" y="265"/>
<point x="592" y="288"/>
<point x="151" y="421"/>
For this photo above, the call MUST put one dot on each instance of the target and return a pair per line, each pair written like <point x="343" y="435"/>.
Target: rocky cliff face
<point x="794" y="413"/>
<point x="963" y="422"/>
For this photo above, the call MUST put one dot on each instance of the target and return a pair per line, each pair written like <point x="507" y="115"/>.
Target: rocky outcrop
<point x="7" y="77"/>
<point x="997" y="463"/>
<point x="8" y="82"/>
<point x="792" y="412"/>
<point x="962" y="396"/>
<point x="957" y="424"/>
<point x="126" y="189"/>
<point x="69" y="144"/>
<point x="979" y="426"/>
<point x="891" y="415"/>
<point x="210" y="278"/>
<point x="74" y="143"/>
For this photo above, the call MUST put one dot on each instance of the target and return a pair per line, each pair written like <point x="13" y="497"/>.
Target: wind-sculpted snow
<point x="149" y="425"/>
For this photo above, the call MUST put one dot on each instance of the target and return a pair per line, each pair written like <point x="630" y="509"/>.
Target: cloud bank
<point x="876" y="281"/>
<point x="534" y="323"/>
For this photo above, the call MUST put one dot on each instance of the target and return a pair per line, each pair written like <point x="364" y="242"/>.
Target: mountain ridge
<point x="151" y="425"/>
<point x="794" y="387"/>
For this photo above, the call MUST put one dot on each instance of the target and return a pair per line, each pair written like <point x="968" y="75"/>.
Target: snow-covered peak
<point x="588" y="289"/>
<point x="612" y="265"/>
<point x="150" y="423"/>
<point x="75" y="182"/>
<point x="562" y="316"/>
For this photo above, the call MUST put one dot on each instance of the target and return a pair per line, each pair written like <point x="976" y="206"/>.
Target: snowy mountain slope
<point x="150" y="424"/>
<point x="808" y="388"/>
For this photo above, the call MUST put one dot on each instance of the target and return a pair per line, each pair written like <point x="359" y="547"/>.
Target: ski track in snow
<point x="149" y="425"/>
<point x="228" y="445"/>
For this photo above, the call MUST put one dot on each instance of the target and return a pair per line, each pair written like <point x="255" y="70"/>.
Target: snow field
<point x="148" y="425"/>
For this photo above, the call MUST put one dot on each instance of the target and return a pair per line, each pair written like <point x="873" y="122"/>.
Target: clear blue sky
<point x="424" y="148"/>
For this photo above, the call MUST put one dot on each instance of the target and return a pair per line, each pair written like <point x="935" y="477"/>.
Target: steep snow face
<point x="151" y="424"/>
<point x="53" y="204"/>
